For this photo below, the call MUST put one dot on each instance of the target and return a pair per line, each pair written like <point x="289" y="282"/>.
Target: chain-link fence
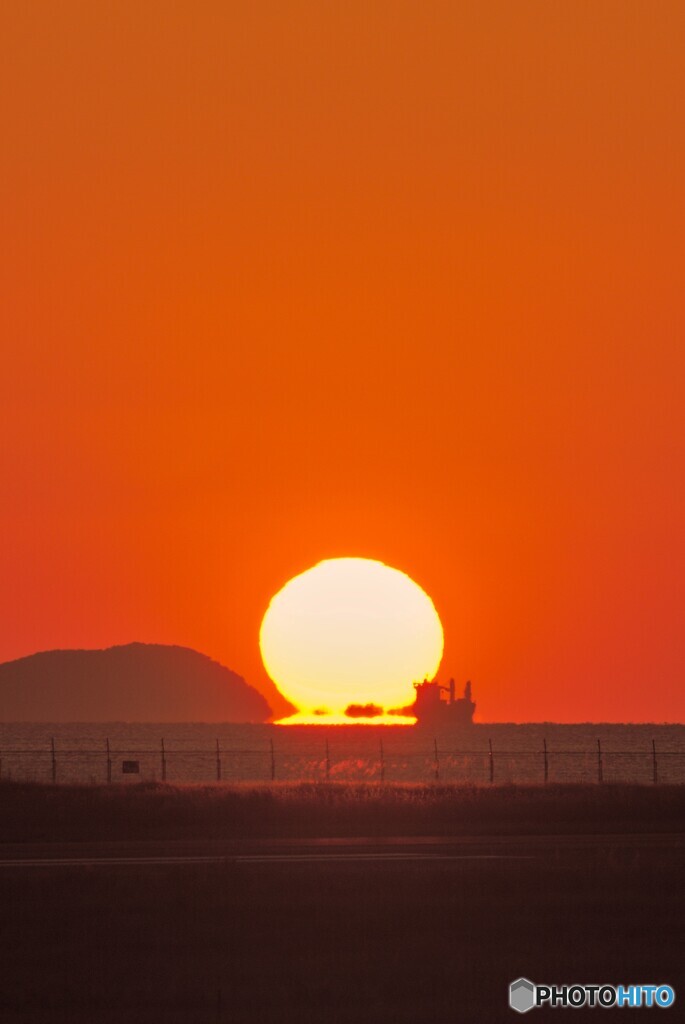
<point x="333" y="763"/>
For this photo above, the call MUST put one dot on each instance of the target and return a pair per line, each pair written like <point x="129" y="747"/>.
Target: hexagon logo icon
<point x="522" y="995"/>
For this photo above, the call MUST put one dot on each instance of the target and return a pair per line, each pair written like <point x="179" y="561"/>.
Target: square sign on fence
<point x="130" y="767"/>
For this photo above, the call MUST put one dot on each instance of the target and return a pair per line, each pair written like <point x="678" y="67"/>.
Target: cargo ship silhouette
<point x="431" y="709"/>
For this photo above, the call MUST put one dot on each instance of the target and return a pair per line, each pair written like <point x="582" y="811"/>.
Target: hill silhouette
<point x="132" y="683"/>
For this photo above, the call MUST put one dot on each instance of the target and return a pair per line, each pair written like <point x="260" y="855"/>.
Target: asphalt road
<point x="363" y="849"/>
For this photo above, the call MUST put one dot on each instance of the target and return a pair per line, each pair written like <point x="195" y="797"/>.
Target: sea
<point x="186" y="752"/>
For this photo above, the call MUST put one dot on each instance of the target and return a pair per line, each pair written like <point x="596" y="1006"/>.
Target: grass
<point x="342" y="942"/>
<point x="33" y="812"/>
<point x="346" y="943"/>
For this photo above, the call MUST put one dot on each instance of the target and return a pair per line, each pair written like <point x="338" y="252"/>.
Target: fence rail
<point x="489" y="766"/>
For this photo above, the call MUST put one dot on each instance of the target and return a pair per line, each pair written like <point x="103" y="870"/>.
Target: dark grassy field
<point x="421" y="942"/>
<point x="151" y="811"/>
<point x="354" y="943"/>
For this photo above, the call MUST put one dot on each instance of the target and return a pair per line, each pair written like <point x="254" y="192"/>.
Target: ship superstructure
<point x="430" y="707"/>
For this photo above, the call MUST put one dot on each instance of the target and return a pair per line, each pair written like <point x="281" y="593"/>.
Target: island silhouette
<point x="134" y="682"/>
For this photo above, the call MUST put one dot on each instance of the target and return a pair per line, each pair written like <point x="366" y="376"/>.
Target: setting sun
<point x="347" y="635"/>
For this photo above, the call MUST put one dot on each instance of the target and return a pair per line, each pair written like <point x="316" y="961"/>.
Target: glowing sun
<point x="350" y="633"/>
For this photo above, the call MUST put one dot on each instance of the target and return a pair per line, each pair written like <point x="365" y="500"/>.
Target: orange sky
<point x="288" y="281"/>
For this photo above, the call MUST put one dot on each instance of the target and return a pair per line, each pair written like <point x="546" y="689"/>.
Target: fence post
<point x="218" y="762"/>
<point x="655" y="772"/>
<point x="109" y="762"/>
<point x="273" y="761"/>
<point x="328" y="763"/>
<point x="600" y="765"/>
<point x="492" y="762"/>
<point x="544" y="747"/>
<point x="437" y="760"/>
<point x="54" y="759"/>
<point x="382" y="762"/>
<point x="163" y="763"/>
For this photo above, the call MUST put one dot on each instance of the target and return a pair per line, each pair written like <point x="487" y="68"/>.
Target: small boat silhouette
<point x="431" y="709"/>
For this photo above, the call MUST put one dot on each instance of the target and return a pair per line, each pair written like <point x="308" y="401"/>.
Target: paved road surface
<point x="361" y="849"/>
